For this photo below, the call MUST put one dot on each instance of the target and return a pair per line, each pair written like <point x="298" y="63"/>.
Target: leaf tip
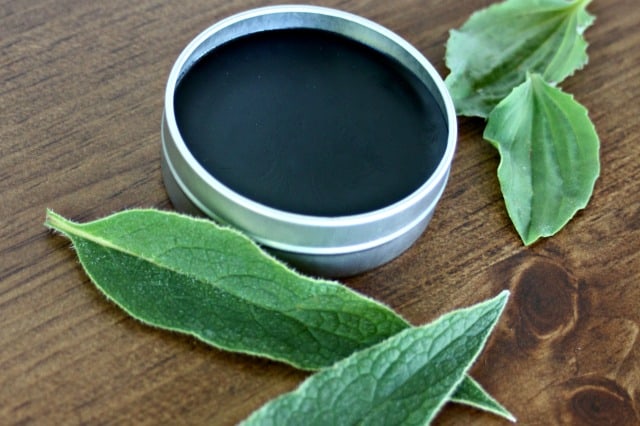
<point x="503" y="297"/>
<point x="499" y="303"/>
<point x="508" y="416"/>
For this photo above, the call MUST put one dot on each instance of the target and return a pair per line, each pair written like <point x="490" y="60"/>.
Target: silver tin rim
<point x="291" y="232"/>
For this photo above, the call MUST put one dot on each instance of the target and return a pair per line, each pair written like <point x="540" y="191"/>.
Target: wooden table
<point x="81" y="95"/>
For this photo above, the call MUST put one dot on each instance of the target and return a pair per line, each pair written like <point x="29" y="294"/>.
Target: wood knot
<point x="599" y="401"/>
<point x="547" y="298"/>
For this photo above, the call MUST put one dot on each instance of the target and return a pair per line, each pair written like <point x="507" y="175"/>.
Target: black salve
<point x="310" y="122"/>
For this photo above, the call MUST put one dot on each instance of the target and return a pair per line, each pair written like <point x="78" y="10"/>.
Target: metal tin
<point x="326" y="246"/>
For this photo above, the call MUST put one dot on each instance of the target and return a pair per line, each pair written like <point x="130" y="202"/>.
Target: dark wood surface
<point x="81" y="93"/>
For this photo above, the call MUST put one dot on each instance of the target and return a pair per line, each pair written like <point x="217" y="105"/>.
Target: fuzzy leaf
<point x="493" y="51"/>
<point x="190" y="275"/>
<point x="404" y="380"/>
<point x="193" y="276"/>
<point x="549" y="153"/>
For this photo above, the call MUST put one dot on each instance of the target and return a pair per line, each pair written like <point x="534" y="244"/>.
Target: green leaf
<point x="549" y="157"/>
<point x="404" y="380"/>
<point x="469" y="392"/>
<point x="493" y="51"/>
<point x="192" y="276"/>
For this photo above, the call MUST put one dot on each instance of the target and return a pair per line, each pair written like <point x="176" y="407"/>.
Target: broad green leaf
<point x="493" y="51"/>
<point x="404" y="380"/>
<point x="193" y="276"/>
<point x="549" y="153"/>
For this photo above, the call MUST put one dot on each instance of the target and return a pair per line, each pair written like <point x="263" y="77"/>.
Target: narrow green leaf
<point x="493" y="51"/>
<point x="549" y="153"/>
<point x="192" y="276"/>
<point x="469" y="392"/>
<point x="404" y="380"/>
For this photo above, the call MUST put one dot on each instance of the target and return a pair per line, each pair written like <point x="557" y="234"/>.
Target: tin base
<point x="327" y="265"/>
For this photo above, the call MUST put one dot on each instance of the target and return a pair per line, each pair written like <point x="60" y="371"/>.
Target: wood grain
<point x="81" y="91"/>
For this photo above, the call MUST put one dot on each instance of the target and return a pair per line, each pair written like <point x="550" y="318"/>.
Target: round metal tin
<point x="326" y="246"/>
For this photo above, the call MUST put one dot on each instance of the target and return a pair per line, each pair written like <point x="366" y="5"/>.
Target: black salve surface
<point x="310" y="122"/>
